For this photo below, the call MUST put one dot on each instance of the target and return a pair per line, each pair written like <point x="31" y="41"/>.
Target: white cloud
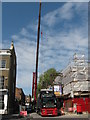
<point x="33" y="26"/>
<point x="25" y="50"/>
<point x="15" y="37"/>
<point x="24" y="32"/>
<point x="59" y="47"/>
<point x="25" y="63"/>
<point x="56" y="48"/>
<point x="66" y="11"/>
<point x="53" y="17"/>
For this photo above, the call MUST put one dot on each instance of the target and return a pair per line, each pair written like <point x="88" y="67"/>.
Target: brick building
<point x="7" y="80"/>
<point x="20" y="96"/>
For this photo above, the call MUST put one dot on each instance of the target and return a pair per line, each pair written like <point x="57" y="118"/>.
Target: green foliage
<point x="47" y="79"/>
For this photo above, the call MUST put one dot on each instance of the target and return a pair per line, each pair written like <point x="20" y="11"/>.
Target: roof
<point x="5" y="52"/>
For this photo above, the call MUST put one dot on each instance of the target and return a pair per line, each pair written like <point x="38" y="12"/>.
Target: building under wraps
<point x="76" y="84"/>
<point x="76" y="78"/>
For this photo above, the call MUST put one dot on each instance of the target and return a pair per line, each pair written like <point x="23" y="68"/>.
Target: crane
<point x="35" y="74"/>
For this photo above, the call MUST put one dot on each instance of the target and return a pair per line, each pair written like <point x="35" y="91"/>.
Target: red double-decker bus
<point x="46" y="103"/>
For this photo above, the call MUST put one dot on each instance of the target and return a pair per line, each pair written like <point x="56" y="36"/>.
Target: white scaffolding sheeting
<point x="76" y="87"/>
<point x="75" y="76"/>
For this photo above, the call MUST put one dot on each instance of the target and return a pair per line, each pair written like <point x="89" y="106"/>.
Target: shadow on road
<point x="9" y="117"/>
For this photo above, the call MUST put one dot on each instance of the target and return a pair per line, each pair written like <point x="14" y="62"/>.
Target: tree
<point x="47" y="79"/>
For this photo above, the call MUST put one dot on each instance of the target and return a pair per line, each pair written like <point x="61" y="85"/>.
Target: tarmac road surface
<point x="35" y="116"/>
<point x="69" y="116"/>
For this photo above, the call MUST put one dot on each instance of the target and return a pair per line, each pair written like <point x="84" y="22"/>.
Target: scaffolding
<point x="75" y="77"/>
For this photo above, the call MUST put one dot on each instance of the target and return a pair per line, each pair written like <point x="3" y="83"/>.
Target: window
<point x="1" y="101"/>
<point x="1" y="82"/>
<point x="2" y="63"/>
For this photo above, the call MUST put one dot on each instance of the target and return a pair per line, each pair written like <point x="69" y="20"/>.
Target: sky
<point x="64" y="27"/>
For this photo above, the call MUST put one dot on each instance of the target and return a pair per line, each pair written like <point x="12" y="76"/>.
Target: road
<point x="35" y="116"/>
<point x="71" y="116"/>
